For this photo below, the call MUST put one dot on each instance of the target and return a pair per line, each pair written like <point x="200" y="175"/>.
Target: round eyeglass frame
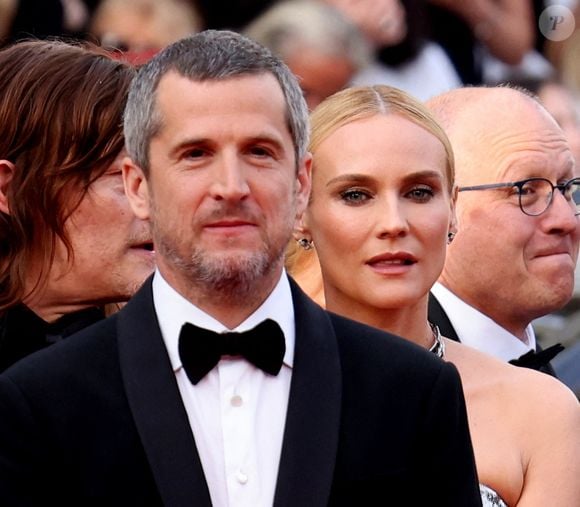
<point x="564" y="188"/>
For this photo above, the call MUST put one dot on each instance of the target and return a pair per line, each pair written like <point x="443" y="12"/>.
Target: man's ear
<point x="301" y="229"/>
<point x="136" y="188"/>
<point x="303" y="186"/>
<point x="7" y="170"/>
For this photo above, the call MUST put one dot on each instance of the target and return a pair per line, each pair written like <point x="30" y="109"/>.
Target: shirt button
<point x="241" y="477"/>
<point x="236" y="401"/>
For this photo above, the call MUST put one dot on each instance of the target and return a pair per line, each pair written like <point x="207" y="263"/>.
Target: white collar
<point x="173" y="310"/>
<point x="479" y="331"/>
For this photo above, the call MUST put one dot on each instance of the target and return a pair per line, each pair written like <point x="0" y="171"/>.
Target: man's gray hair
<point x="206" y="56"/>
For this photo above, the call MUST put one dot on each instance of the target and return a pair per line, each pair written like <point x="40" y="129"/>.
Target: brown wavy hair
<point x="61" y="108"/>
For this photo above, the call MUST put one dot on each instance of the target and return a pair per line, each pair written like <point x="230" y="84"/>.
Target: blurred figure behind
<point x="404" y="57"/>
<point x="319" y="45"/>
<point x="143" y="27"/>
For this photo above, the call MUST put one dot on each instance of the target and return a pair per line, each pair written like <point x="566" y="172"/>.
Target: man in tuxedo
<point x="220" y="382"/>
<point x="512" y="259"/>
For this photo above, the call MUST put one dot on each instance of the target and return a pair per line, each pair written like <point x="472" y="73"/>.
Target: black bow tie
<point x="200" y="349"/>
<point x="536" y="360"/>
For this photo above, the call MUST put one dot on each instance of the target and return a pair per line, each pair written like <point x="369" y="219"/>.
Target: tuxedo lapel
<point x="156" y="405"/>
<point x="438" y="317"/>
<point x="312" y="423"/>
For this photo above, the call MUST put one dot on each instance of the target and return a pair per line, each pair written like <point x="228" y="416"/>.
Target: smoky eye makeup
<point x="355" y="195"/>
<point x="421" y="193"/>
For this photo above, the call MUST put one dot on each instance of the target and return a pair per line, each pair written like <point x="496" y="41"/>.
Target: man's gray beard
<point x="229" y="279"/>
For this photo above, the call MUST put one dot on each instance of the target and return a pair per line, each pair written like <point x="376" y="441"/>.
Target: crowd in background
<point x="424" y="47"/>
<point x="464" y="42"/>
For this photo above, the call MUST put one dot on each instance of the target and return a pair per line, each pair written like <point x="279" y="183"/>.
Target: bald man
<point x="512" y="259"/>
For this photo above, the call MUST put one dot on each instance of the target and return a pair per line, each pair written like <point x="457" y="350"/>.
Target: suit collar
<point x="312" y="422"/>
<point x="313" y="419"/>
<point x="156" y="405"/>
<point x="478" y="330"/>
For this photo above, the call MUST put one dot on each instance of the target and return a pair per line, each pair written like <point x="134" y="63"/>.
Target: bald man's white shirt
<point x="477" y="330"/>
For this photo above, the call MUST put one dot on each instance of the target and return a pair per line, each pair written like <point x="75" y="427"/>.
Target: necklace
<point x="438" y="347"/>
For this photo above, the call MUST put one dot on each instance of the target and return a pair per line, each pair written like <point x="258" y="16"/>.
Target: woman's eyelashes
<point x="418" y="193"/>
<point x="421" y="193"/>
<point x="355" y="195"/>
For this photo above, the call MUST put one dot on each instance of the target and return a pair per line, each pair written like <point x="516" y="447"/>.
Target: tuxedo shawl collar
<point x="312" y="422"/>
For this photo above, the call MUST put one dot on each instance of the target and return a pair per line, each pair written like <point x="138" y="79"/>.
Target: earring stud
<point x="306" y="243"/>
<point x="450" y="237"/>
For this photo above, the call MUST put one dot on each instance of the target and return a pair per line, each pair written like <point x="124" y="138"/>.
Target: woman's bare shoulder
<point x="525" y="426"/>
<point x="480" y="369"/>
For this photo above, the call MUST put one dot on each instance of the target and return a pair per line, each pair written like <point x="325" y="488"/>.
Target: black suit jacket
<point x="98" y="420"/>
<point x="438" y="316"/>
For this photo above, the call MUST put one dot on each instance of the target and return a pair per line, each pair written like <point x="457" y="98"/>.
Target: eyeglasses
<point x="536" y="194"/>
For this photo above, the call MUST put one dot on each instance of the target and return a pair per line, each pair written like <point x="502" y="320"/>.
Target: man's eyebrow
<point x="275" y="141"/>
<point x="188" y="142"/>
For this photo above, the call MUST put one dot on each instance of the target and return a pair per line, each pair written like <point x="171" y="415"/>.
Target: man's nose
<point x="561" y="216"/>
<point x="230" y="181"/>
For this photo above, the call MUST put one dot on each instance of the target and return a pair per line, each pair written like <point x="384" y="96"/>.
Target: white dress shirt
<point x="479" y="331"/>
<point x="236" y="412"/>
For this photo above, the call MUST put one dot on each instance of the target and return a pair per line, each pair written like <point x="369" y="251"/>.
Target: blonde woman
<point x="373" y="243"/>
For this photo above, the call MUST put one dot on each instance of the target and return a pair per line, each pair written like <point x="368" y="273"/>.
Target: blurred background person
<point x="561" y="102"/>
<point x="41" y="19"/>
<point x="404" y="57"/>
<point x="140" y="28"/>
<point x="382" y="181"/>
<point x="563" y="54"/>
<point x="475" y="31"/>
<point x="230" y="14"/>
<point x="320" y="46"/>
<point x="7" y="11"/>
<point x="69" y="243"/>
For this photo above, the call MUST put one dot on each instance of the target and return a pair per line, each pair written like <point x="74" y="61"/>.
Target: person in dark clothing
<point x="69" y="243"/>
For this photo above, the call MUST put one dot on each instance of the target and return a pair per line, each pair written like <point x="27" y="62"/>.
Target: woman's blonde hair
<point x="361" y="102"/>
<point x="340" y="109"/>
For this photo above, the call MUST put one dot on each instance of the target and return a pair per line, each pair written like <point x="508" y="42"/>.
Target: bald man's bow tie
<point x="536" y="360"/>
